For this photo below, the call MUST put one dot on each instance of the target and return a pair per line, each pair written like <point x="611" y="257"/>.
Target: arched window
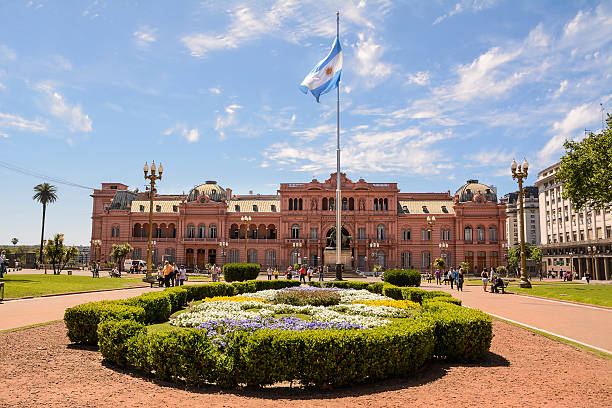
<point x="480" y="234"/>
<point x="344" y="204"/>
<point x="324" y="207"/>
<point x="300" y="204"/>
<point x="252" y="256"/>
<point x="137" y="232"/>
<point x="212" y="231"/>
<point x="294" y="257"/>
<point x="234" y="231"/>
<point x="425" y="259"/>
<point x="295" y="231"/>
<point x="406" y="235"/>
<point x="201" y="231"/>
<point x="190" y="231"/>
<point x="171" y="230"/>
<point x="271" y="231"/>
<point x="112" y="232"/>
<point x="291" y="204"/>
<point x="386" y="205"/>
<point x="271" y="257"/>
<point x="351" y="204"/>
<point x="467" y="234"/>
<point x="376" y="204"/>
<point x="380" y="232"/>
<point x="406" y="260"/>
<point x="492" y="234"/>
<point x="331" y="204"/>
<point x="425" y="235"/>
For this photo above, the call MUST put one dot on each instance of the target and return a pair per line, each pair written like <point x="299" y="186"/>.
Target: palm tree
<point x="14" y="241"/>
<point x="45" y="193"/>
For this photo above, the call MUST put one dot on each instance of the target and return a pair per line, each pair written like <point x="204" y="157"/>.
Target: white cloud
<point x="73" y="115"/>
<point x="562" y="88"/>
<point x="227" y="120"/>
<point x="4" y="135"/>
<point x="216" y="91"/>
<point x="8" y="120"/>
<point x="489" y="158"/>
<point x="308" y="135"/>
<point x="420" y="78"/>
<point x="368" y="54"/>
<point x="465" y="5"/>
<point x="144" y="36"/>
<point x="181" y="129"/>
<point x="7" y="54"/>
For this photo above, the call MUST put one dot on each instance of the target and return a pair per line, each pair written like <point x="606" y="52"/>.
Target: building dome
<point x="210" y="189"/>
<point x="468" y="191"/>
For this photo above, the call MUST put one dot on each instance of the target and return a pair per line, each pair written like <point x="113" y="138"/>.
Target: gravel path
<point x="40" y="369"/>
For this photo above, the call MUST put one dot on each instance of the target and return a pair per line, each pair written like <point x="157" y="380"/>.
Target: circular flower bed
<point x="316" y="336"/>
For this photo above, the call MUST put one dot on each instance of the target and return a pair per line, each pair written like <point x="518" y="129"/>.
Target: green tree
<point x="439" y="263"/>
<point x="58" y="254"/>
<point x="120" y="251"/>
<point x="14" y="241"/>
<point x="531" y="252"/>
<point x="45" y="194"/>
<point x="465" y="267"/>
<point x="586" y="170"/>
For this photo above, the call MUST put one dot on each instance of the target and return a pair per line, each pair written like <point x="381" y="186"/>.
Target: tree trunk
<point x="42" y="234"/>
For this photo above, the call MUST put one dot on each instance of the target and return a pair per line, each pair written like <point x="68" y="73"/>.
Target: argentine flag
<point x="325" y="76"/>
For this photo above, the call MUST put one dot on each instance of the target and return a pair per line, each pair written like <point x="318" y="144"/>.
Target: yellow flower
<point x="232" y="299"/>
<point x="399" y="304"/>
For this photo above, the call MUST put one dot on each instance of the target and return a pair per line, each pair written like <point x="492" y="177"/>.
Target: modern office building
<point x="572" y="241"/>
<point x="205" y="226"/>
<point x="531" y="217"/>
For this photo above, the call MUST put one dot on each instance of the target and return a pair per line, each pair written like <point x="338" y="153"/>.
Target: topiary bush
<point x="113" y="336"/>
<point x="240" y="272"/>
<point x="275" y="284"/>
<point x="178" y="298"/>
<point x="199" y="292"/>
<point x="392" y="291"/>
<point x="461" y="334"/>
<point x="346" y="285"/>
<point x="376" y="287"/>
<point x="82" y="320"/>
<point x="157" y="306"/>
<point x="445" y="299"/>
<point x="402" y="277"/>
<point x="244" y="287"/>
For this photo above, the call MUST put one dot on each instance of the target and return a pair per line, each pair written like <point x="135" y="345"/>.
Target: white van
<point x="128" y="263"/>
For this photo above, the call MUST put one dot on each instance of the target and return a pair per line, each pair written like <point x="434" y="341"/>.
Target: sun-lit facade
<point x="295" y="225"/>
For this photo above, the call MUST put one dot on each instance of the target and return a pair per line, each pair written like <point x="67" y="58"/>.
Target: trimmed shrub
<point x="240" y="272"/>
<point x="244" y="287"/>
<point x="392" y="291"/>
<point x="316" y="284"/>
<point x="156" y="305"/>
<point x="199" y="292"/>
<point x="445" y="299"/>
<point x="346" y="284"/>
<point x="461" y="334"/>
<point x="113" y="336"/>
<point x="275" y="284"/>
<point x="376" y="287"/>
<point x="82" y="320"/>
<point x="414" y="294"/>
<point x="436" y="293"/>
<point x="402" y="277"/>
<point x="185" y="354"/>
<point x="178" y="298"/>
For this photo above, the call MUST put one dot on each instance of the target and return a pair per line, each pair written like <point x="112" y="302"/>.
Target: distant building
<point x="567" y="234"/>
<point x="531" y="217"/>
<point x="84" y="254"/>
<point x="187" y="228"/>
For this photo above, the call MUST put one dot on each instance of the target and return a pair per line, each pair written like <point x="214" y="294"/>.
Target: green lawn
<point x="592" y="294"/>
<point x="16" y="286"/>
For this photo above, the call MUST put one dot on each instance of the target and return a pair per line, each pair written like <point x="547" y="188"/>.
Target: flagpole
<point x="338" y="195"/>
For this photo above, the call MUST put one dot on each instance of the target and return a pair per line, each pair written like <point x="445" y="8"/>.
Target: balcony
<point x="146" y="239"/>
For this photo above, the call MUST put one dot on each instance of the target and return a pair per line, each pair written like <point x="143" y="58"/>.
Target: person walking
<point x="588" y="277"/>
<point x="456" y="278"/>
<point x="303" y="274"/>
<point x="438" y="280"/>
<point x="177" y="277"/>
<point x="320" y="274"/>
<point x="213" y="274"/>
<point x="451" y="277"/>
<point x="460" y="280"/>
<point x="485" y="279"/>
<point x="3" y="262"/>
<point x="275" y="273"/>
<point x="167" y="271"/>
<point x="309" y="272"/>
<point x="269" y="271"/>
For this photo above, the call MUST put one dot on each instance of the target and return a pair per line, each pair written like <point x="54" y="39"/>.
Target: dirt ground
<point x="38" y="368"/>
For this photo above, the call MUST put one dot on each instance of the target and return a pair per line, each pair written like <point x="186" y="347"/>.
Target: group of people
<point x="303" y="271"/>
<point x="171" y="275"/>
<point x="496" y="281"/>
<point x="454" y="276"/>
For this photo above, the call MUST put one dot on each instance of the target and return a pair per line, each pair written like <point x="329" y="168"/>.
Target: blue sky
<point x="433" y="93"/>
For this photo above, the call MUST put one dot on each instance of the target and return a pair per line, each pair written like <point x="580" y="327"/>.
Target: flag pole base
<point x="339" y="272"/>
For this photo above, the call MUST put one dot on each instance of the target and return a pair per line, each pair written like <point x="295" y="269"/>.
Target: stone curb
<point x="564" y="301"/>
<point x="73" y="293"/>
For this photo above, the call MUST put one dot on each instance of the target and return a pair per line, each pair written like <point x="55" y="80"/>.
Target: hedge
<point x="199" y="292"/>
<point x="157" y="306"/>
<point x="82" y="320"/>
<point x="445" y="299"/>
<point x="392" y="292"/>
<point x="317" y="357"/>
<point x="113" y="337"/>
<point x="275" y="284"/>
<point x="402" y="277"/>
<point x="376" y="287"/>
<point x="358" y="285"/>
<point x="240" y="271"/>
<point x="461" y="334"/>
<point x="178" y="297"/>
<point x="244" y="287"/>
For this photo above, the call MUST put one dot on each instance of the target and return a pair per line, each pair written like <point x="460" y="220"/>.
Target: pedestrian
<point x="429" y="277"/>
<point x="460" y="280"/>
<point x="320" y="274"/>
<point x="269" y="273"/>
<point x="303" y="274"/>
<point x="540" y="274"/>
<point x="167" y="271"/>
<point x="275" y="273"/>
<point x="177" y="277"/>
<point x="456" y="278"/>
<point x="451" y="277"/>
<point x="588" y="277"/>
<point x="485" y="279"/>
<point x="2" y="263"/>
<point x="438" y="280"/>
<point x="309" y="272"/>
<point x="213" y="274"/>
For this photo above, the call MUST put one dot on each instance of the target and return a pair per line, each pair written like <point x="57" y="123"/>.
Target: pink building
<point x="295" y="225"/>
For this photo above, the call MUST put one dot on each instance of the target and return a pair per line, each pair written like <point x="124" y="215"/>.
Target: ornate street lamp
<point x="156" y="174"/>
<point x="519" y="172"/>
<point x="374" y="247"/>
<point x="298" y="245"/>
<point x="431" y="221"/>
<point x="245" y="220"/>
<point x="223" y="245"/>
<point x="571" y="254"/>
<point x="443" y="248"/>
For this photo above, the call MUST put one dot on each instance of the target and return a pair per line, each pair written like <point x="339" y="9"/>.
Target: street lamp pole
<point x="519" y="172"/>
<point x="223" y="245"/>
<point x="430" y="223"/>
<point x="245" y="220"/>
<point x="443" y="247"/>
<point x="298" y="245"/>
<point x="374" y="247"/>
<point x="153" y="177"/>
<point x="571" y="254"/>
